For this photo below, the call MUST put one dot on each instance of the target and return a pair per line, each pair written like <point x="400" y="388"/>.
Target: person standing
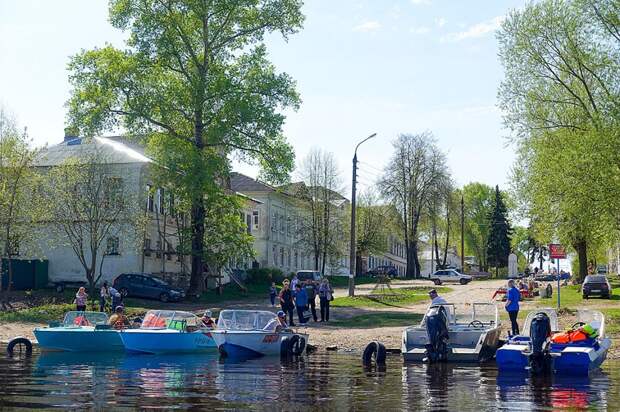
<point x="294" y="282"/>
<point x="104" y="295"/>
<point x="301" y="301"/>
<point x="273" y="292"/>
<point x="81" y="297"/>
<point x="326" y="295"/>
<point x="311" y="292"/>
<point x="286" y="301"/>
<point x="512" y="305"/>
<point x="117" y="298"/>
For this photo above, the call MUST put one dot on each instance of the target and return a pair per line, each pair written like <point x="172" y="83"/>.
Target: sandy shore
<point x="323" y="335"/>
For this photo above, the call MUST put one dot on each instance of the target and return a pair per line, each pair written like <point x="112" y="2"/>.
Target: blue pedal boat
<point x="167" y="331"/>
<point x="574" y="358"/>
<point x="80" y="332"/>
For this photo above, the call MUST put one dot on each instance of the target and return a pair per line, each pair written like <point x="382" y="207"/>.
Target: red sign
<point x="557" y="251"/>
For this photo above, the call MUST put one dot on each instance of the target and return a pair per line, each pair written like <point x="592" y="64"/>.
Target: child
<point x="273" y="292"/>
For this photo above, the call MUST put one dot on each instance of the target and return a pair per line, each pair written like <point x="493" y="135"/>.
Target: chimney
<point x="71" y="133"/>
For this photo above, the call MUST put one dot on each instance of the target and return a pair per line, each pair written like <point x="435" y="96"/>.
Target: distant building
<point x="276" y="224"/>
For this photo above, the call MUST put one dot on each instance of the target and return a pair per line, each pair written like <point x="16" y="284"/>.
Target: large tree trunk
<point x="196" y="285"/>
<point x="582" y="254"/>
<point x="411" y="260"/>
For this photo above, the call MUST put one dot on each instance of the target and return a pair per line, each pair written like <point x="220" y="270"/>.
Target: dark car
<point x="144" y="285"/>
<point x="596" y="285"/>
<point x="387" y="270"/>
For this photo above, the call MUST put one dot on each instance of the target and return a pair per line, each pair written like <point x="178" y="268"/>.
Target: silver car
<point x="450" y="276"/>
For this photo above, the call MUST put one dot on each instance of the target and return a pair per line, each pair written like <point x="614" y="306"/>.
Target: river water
<point x="325" y="381"/>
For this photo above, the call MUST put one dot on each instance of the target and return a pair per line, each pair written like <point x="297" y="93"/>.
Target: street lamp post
<point x="352" y="261"/>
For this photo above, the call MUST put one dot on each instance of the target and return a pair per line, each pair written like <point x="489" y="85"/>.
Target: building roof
<point x="115" y="149"/>
<point x="242" y="183"/>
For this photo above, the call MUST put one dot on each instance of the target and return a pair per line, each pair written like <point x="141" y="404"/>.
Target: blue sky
<point x="362" y="66"/>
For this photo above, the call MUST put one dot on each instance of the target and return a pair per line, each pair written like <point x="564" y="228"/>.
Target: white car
<point x="450" y="276"/>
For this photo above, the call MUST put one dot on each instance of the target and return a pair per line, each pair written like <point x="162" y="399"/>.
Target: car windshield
<point x="169" y="319"/>
<point x="596" y="279"/>
<point x="85" y="318"/>
<point x="160" y="281"/>
<point x="244" y="319"/>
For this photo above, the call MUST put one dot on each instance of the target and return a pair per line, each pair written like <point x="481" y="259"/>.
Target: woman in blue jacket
<point x="301" y="301"/>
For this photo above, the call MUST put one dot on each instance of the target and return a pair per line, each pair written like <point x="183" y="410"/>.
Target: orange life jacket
<point x="569" y="336"/>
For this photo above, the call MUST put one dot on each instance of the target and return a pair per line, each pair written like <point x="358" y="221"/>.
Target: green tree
<point x="19" y="204"/>
<point x="498" y="242"/>
<point x="374" y="223"/>
<point x="195" y="78"/>
<point x="478" y="204"/>
<point x="561" y="98"/>
<point x="416" y="167"/>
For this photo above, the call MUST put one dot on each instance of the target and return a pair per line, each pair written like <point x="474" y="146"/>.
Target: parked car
<point x="450" y="276"/>
<point x="145" y="285"/>
<point x="545" y="277"/>
<point x="388" y="270"/>
<point x="601" y="269"/>
<point x="596" y="285"/>
<point x="304" y="275"/>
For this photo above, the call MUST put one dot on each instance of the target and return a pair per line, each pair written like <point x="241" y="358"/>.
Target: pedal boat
<point x="252" y="334"/>
<point x="80" y="332"/>
<point x="574" y="358"/>
<point x="166" y="331"/>
<point x="472" y="338"/>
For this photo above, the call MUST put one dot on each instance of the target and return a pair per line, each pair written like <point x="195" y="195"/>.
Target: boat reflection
<point x="553" y="391"/>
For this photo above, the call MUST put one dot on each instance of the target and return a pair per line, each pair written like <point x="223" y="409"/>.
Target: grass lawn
<point x="376" y="320"/>
<point x="401" y="297"/>
<point x="343" y="281"/>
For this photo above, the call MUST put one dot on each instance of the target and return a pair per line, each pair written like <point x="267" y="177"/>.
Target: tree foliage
<point x="195" y="75"/>
<point x="478" y="202"/>
<point x="20" y="208"/>
<point x="498" y="242"/>
<point x="561" y="98"/>
<point x="322" y="222"/>
<point x="415" y="169"/>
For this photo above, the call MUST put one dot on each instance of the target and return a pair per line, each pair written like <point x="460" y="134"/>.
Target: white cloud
<point x="440" y="22"/>
<point x="475" y="31"/>
<point x="368" y="26"/>
<point x="420" y="30"/>
<point x="421" y="2"/>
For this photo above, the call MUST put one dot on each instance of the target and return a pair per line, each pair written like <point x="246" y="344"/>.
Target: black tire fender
<point x="285" y="348"/>
<point x="19" y="342"/>
<point x="374" y="350"/>
<point x="297" y="345"/>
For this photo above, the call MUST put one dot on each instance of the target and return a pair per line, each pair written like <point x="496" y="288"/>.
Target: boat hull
<point x="82" y="339"/>
<point x="167" y="341"/>
<point x="572" y="360"/>
<point x="481" y="348"/>
<point x="251" y="343"/>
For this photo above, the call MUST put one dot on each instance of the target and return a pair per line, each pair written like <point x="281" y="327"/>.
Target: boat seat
<point x="417" y="351"/>
<point x="464" y="351"/>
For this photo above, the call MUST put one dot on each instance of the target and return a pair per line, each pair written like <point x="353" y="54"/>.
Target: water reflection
<point x="328" y="381"/>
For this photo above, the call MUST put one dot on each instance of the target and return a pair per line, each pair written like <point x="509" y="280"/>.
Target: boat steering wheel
<point x="476" y="324"/>
<point x="577" y="325"/>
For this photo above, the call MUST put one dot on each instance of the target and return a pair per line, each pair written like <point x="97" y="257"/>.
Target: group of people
<point x="106" y="293"/>
<point x="301" y="295"/>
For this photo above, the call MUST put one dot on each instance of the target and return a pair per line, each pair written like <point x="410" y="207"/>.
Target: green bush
<point x="265" y="275"/>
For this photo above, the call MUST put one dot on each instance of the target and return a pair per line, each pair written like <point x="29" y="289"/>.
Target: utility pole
<point x="353" y="246"/>
<point x="462" y="234"/>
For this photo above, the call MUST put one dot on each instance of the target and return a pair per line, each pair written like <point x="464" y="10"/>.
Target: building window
<point x="112" y="245"/>
<point x="274" y="253"/>
<point x="289" y="225"/>
<point x="158" y="249"/>
<point x="274" y="222"/>
<point x="288" y="258"/>
<point x="296" y="260"/>
<point x="248" y="223"/>
<point x="149" y="198"/>
<point x="147" y="247"/>
<point x="255" y="219"/>
<point x="282" y="223"/>
<point x="281" y="256"/>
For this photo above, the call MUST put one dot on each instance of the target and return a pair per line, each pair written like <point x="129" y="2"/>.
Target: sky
<point x="361" y="67"/>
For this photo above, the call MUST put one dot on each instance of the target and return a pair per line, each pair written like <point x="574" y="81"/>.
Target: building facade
<point x="149" y="246"/>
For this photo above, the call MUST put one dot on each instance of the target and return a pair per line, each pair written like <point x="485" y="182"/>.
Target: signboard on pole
<point x="557" y="251"/>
